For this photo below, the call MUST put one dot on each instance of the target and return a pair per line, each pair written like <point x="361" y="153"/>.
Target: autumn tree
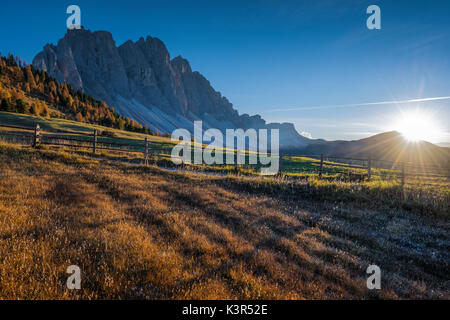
<point x="45" y="111"/>
<point x="79" y="117"/>
<point x="20" y="84"/>
<point x="30" y="78"/>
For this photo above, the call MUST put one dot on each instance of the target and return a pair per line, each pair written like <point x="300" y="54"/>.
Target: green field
<point x="293" y="167"/>
<point x="69" y="125"/>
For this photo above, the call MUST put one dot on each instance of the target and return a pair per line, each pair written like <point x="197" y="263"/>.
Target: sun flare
<point x="418" y="125"/>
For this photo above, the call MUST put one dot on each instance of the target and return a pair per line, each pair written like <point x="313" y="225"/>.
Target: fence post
<point x="37" y="133"/>
<point x="281" y="164"/>
<point x="369" y="167"/>
<point x="403" y="180"/>
<point x="321" y="165"/>
<point x="94" y="144"/>
<point x="236" y="163"/>
<point x="146" y="151"/>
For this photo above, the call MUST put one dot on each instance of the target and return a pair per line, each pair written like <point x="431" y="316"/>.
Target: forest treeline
<point x="24" y="89"/>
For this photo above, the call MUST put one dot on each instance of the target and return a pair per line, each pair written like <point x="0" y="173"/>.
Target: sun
<point x="417" y="125"/>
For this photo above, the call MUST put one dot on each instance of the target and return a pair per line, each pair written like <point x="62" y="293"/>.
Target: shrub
<point x="108" y="133"/>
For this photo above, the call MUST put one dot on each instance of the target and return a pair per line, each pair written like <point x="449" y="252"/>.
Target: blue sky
<point x="269" y="57"/>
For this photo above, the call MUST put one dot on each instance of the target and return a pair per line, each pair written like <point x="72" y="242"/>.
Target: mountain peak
<point x="141" y="82"/>
<point x="181" y="64"/>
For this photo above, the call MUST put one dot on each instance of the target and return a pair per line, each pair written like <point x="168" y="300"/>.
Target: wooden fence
<point x="320" y="164"/>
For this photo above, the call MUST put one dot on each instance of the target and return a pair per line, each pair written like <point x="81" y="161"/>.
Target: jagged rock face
<point x="141" y="81"/>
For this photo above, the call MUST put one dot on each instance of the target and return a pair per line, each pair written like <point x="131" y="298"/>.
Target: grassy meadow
<point x="149" y="233"/>
<point x="70" y="125"/>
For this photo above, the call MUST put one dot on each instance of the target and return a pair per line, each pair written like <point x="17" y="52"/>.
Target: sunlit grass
<point x="145" y="232"/>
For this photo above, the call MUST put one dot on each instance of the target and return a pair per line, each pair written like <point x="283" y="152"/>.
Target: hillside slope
<point x="26" y="90"/>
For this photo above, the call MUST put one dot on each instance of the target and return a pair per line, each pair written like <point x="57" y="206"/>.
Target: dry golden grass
<point x="145" y="233"/>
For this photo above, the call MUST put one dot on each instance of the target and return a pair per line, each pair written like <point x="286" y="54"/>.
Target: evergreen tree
<point x="21" y="107"/>
<point x="5" y="105"/>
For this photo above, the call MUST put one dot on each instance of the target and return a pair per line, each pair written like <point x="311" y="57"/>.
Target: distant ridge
<point x="384" y="146"/>
<point x="444" y="144"/>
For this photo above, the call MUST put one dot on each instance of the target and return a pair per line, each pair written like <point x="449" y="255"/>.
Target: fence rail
<point x="97" y="141"/>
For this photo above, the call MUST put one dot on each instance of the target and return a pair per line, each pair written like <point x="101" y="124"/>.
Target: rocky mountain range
<point x="141" y="81"/>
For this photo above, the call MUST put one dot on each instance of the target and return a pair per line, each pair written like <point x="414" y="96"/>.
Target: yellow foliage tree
<point x="30" y="78"/>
